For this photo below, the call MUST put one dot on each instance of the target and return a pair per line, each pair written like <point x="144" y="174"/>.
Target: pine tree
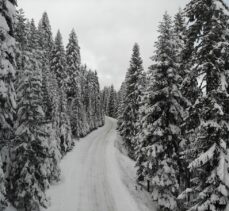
<point x="28" y="173"/>
<point x="33" y="37"/>
<point x="99" y="119"/>
<point x="58" y="68"/>
<point x="121" y="105"/>
<point x="3" y="202"/>
<point x="73" y="90"/>
<point x="133" y="92"/>
<point x="66" y="142"/>
<point x="34" y="154"/>
<point x="58" y="62"/>
<point x="189" y="89"/>
<point x="111" y="104"/>
<point x="73" y="64"/>
<point x="89" y="99"/>
<point x="20" y="29"/>
<point x="21" y="35"/>
<point x="179" y="29"/>
<point x="45" y="36"/>
<point x="83" y="84"/>
<point x="158" y="158"/>
<point x="49" y="83"/>
<point x="7" y="92"/>
<point x="209" y="62"/>
<point x="105" y="99"/>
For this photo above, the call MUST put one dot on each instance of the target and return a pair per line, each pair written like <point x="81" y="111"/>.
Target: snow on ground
<point x="10" y="209"/>
<point x="128" y="175"/>
<point x="97" y="177"/>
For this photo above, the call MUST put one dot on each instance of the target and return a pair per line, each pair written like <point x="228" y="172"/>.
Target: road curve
<point x="91" y="178"/>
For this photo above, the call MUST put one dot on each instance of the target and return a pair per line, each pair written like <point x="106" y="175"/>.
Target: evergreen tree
<point x="111" y="104"/>
<point x="58" y="68"/>
<point x="133" y="92"/>
<point x="3" y="202"/>
<point x="66" y="142"/>
<point x="33" y="37"/>
<point x="158" y="158"/>
<point x="105" y="99"/>
<point x="21" y="37"/>
<point x="49" y="83"/>
<point x="7" y="92"/>
<point x="58" y="62"/>
<point x="208" y="52"/>
<point x="45" y="36"/>
<point x="121" y="105"/>
<point x="179" y="30"/>
<point x="189" y="89"/>
<point x="28" y="173"/>
<point x="98" y="112"/>
<point x="83" y="83"/>
<point x="73" y="64"/>
<point x="89" y="99"/>
<point x="20" y="29"/>
<point x="73" y="83"/>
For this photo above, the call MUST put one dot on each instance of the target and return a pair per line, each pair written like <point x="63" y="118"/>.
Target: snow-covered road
<point x="92" y="177"/>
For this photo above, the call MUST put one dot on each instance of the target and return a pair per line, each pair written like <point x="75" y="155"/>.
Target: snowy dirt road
<point x="92" y="177"/>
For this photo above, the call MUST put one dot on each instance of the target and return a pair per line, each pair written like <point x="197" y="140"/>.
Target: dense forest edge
<point x="48" y="99"/>
<point x="174" y="118"/>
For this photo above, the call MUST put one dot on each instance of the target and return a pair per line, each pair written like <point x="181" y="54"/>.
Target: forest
<point x="173" y="117"/>
<point x="48" y="99"/>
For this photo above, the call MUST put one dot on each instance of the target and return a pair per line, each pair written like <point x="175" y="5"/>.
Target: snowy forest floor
<point x="96" y="176"/>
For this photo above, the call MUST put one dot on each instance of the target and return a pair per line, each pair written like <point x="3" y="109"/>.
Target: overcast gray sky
<point x="106" y="29"/>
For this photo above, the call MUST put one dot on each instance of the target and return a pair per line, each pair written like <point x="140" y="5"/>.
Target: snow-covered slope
<point x="94" y="180"/>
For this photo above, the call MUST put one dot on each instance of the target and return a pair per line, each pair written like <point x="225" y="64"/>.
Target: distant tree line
<point x="174" y="119"/>
<point x="47" y="100"/>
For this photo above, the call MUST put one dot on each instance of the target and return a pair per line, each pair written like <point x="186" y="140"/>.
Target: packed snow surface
<point x="97" y="177"/>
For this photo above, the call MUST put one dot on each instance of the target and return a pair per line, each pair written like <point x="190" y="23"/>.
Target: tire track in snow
<point x="91" y="177"/>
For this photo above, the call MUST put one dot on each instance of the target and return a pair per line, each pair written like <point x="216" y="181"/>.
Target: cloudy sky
<point x="106" y="29"/>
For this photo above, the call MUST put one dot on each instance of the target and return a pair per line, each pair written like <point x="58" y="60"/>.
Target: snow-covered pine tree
<point x="89" y="99"/>
<point x="34" y="147"/>
<point x="161" y="116"/>
<point x="58" y="68"/>
<point x="116" y="104"/>
<point x="189" y="89"/>
<point x="83" y="84"/>
<point x="208" y="36"/>
<point x="111" y="103"/>
<point x="28" y="177"/>
<point x="7" y="92"/>
<point x="3" y="202"/>
<point x="20" y="29"/>
<point x="50" y="95"/>
<point x="179" y="38"/>
<point x="66" y="141"/>
<point x="33" y="36"/>
<point x="92" y="100"/>
<point x="73" y="89"/>
<point x="99" y="117"/>
<point x="121" y="105"/>
<point x="45" y="38"/>
<point x="105" y="99"/>
<point x="133" y="92"/>
<point x="58" y="61"/>
<point x="21" y="33"/>
<point x="7" y="68"/>
<point x="49" y="82"/>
